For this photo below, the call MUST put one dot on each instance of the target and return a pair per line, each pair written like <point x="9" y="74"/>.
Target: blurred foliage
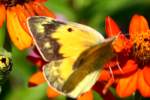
<point x="93" y="12"/>
<point x="90" y="12"/>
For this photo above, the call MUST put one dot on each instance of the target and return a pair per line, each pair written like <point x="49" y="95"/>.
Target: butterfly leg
<point x="111" y="72"/>
<point x="109" y="83"/>
<point x="119" y="67"/>
<point x="117" y="64"/>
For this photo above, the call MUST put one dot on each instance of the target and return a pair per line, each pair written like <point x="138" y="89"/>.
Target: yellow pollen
<point x="142" y="46"/>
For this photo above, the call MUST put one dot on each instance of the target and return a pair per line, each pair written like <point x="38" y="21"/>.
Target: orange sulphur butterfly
<point x="75" y="53"/>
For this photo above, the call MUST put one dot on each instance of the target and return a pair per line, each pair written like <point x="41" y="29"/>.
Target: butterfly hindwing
<point x="87" y="69"/>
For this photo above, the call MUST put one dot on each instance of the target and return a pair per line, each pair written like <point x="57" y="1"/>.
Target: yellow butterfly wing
<point x="62" y="45"/>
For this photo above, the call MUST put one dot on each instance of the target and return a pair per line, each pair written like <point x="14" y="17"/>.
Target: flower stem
<point x="137" y="96"/>
<point x="2" y="35"/>
<point x="68" y="98"/>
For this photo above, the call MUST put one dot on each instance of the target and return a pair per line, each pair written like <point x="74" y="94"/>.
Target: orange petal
<point x="47" y="12"/>
<point x="143" y="87"/>
<point x="86" y="96"/>
<point x="128" y="68"/>
<point x="2" y="14"/>
<point x="146" y="73"/>
<point x="111" y="27"/>
<point x="29" y="9"/>
<point x="126" y="86"/>
<point x="104" y="76"/>
<point x="19" y="37"/>
<point x="111" y="63"/>
<point x="51" y="93"/>
<point x="42" y="10"/>
<point x="122" y="44"/>
<point x="138" y="25"/>
<point x="22" y="16"/>
<point x="36" y="79"/>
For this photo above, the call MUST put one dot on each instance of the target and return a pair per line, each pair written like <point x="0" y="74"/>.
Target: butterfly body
<point x="75" y="54"/>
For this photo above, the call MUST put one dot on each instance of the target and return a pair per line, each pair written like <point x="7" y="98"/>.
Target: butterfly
<point x="5" y="66"/>
<point x="75" y="53"/>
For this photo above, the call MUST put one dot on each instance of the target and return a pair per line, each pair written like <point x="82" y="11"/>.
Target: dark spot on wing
<point x="69" y="29"/>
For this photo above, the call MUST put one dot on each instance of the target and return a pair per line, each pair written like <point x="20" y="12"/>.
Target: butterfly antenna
<point x="126" y="34"/>
<point x="109" y="83"/>
<point x="120" y="33"/>
<point x="119" y="67"/>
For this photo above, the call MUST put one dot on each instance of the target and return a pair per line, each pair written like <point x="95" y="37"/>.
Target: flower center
<point x="10" y="3"/>
<point x="141" y="49"/>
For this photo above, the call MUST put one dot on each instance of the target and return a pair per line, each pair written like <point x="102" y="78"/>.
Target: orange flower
<point x="133" y="57"/>
<point x="16" y="12"/>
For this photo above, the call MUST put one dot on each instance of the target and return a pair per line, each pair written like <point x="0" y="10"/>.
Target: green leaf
<point x="61" y="97"/>
<point x="61" y="7"/>
<point x="21" y="66"/>
<point x="35" y="93"/>
<point x="97" y="96"/>
<point x="0" y="89"/>
<point x="80" y="4"/>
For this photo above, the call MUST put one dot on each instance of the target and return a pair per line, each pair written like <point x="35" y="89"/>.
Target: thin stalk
<point x="2" y="35"/>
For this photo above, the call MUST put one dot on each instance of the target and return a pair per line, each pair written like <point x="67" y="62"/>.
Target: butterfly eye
<point x="69" y="29"/>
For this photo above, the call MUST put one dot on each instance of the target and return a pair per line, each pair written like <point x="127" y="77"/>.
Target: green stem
<point x="2" y="35"/>
<point x="68" y="98"/>
<point x="137" y="96"/>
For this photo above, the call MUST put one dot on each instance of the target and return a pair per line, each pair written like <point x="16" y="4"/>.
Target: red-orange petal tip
<point x="36" y="79"/>
<point x="111" y="27"/>
<point x="138" y="25"/>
